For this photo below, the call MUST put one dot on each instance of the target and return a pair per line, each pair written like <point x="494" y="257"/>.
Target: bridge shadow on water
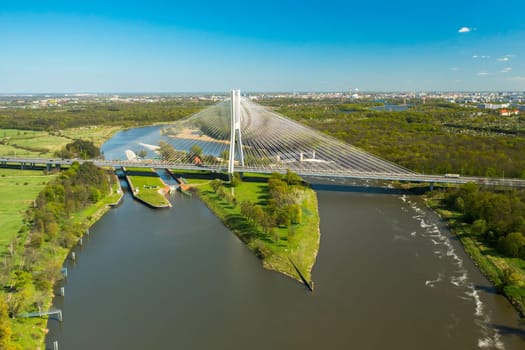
<point x="486" y="288"/>
<point x="377" y="189"/>
<point x="506" y="330"/>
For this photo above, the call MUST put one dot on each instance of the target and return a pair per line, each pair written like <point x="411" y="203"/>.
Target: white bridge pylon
<point x="235" y="131"/>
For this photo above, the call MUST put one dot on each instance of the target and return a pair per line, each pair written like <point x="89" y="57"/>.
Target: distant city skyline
<point x="175" y="46"/>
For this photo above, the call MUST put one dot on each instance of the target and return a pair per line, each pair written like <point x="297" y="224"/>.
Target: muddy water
<point x="388" y="276"/>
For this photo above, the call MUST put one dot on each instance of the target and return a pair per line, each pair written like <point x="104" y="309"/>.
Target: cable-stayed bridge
<point x="240" y="135"/>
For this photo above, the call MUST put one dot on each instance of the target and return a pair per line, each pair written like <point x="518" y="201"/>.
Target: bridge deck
<point x="358" y="175"/>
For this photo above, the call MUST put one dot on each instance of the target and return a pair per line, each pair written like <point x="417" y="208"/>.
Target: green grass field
<point x="42" y="144"/>
<point x="29" y="333"/>
<point x="30" y="143"/>
<point x="148" y="184"/>
<point x="18" y="189"/>
<point x="97" y="134"/>
<point x="300" y="242"/>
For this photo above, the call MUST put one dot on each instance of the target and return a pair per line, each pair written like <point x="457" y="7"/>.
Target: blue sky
<point x="196" y="46"/>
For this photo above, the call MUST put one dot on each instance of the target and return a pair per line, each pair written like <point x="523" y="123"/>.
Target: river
<point x="388" y="276"/>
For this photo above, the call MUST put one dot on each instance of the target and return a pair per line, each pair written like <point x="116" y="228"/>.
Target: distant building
<point x="493" y="105"/>
<point x="508" y="112"/>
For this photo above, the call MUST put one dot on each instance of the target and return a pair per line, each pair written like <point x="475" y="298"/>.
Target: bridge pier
<point x="431" y="186"/>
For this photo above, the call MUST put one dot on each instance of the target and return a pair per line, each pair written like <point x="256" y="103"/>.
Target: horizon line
<point x="142" y="93"/>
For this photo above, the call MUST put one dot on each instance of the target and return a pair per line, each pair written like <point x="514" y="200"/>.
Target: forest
<point x="83" y="149"/>
<point x="497" y="217"/>
<point x="436" y="137"/>
<point x="491" y="225"/>
<point x="100" y="113"/>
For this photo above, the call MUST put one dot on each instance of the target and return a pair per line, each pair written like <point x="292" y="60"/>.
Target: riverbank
<point x="506" y="274"/>
<point x="279" y="248"/>
<point x="37" y="290"/>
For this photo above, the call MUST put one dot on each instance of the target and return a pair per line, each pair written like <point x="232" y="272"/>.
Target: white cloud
<point x="506" y="70"/>
<point x="483" y="57"/>
<point x="503" y="59"/>
<point x="483" y="74"/>
<point x="464" y="30"/>
<point x="455" y="69"/>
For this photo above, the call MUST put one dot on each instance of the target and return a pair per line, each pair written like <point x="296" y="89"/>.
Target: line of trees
<point x="30" y="273"/>
<point x="83" y="149"/>
<point x="193" y="156"/>
<point x="284" y="207"/>
<point x="498" y="218"/>
<point x="90" y="113"/>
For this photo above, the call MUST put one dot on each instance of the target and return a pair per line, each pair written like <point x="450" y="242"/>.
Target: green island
<point x="275" y="215"/>
<point x="147" y="186"/>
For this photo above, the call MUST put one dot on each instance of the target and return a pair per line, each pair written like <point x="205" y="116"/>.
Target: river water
<point x="388" y="276"/>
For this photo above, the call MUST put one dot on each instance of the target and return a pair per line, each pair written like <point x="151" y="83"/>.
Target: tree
<point x="235" y="179"/>
<point x="275" y="235"/>
<point x="225" y="155"/>
<point x="283" y="217"/>
<point x="196" y="150"/>
<point x="292" y="178"/>
<point x="459" y="204"/>
<point x="79" y="149"/>
<point x="142" y="153"/>
<point x="511" y="277"/>
<point x="479" y="227"/>
<point x="258" y="215"/>
<point x="94" y="194"/>
<point x="5" y="329"/>
<point x="167" y="151"/>
<point x="296" y="213"/>
<point x="215" y="184"/>
<point x="513" y="245"/>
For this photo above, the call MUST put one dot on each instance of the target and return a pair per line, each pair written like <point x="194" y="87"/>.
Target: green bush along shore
<point x="49" y="226"/>
<point x="491" y="227"/>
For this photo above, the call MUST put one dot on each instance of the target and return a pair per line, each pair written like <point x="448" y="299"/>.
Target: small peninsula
<point x="276" y="216"/>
